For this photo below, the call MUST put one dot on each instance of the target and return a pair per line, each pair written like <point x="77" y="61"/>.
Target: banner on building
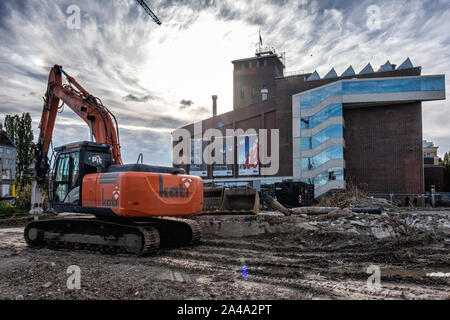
<point x="248" y="155"/>
<point x="198" y="166"/>
<point x="224" y="169"/>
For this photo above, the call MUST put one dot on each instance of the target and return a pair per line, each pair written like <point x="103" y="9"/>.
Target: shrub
<point x="23" y="200"/>
<point x="7" y="210"/>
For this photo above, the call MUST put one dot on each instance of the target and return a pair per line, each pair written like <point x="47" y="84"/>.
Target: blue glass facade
<point x="334" y="174"/>
<point x="333" y="110"/>
<point x="334" y="131"/>
<point x="314" y="149"/>
<point x="389" y="85"/>
<point x="310" y="99"/>
<point x="394" y="85"/>
<point x="332" y="153"/>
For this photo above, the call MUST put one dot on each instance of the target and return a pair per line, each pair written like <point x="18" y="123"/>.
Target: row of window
<point x="7" y="150"/>
<point x="254" y="92"/>
<point x="248" y="65"/>
<point x="334" y="131"/>
<point x="436" y="83"/>
<point x="333" y="110"/>
<point x="312" y="98"/>
<point x="332" y="153"/>
<point x="7" y="162"/>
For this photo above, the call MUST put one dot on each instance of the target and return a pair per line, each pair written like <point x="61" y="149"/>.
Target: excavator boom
<point x="86" y="106"/>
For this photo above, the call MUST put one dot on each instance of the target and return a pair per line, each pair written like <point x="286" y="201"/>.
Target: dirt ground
<point x="313" y="260"/>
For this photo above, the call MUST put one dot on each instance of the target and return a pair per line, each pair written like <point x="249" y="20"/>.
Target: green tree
<point x="20" y="131"/>
<point x="446" y="165"/>
<point x="11" y="123"/>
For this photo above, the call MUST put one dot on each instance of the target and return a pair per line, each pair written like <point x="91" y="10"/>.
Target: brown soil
<point x="307" y="264"/>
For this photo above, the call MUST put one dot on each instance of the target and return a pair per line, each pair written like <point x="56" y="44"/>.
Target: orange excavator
<point x="132" y="208"/>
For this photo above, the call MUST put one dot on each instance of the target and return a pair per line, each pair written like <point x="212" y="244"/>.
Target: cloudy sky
<point x="157" y="78"/>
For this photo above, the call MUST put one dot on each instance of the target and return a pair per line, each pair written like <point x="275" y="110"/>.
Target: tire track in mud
<point x="311" y="285"/>
<point x="277" y="267"/>
<point x="290" y="266"/>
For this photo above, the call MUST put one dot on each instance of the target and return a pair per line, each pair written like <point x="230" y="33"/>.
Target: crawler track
<point x="136" y="237"/>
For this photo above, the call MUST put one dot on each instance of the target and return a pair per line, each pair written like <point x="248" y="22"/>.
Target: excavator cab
<point x="72" y="163"/>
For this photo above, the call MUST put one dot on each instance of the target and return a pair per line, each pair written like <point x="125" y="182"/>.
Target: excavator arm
<point x="87" y="107"/>
<point x="100" y="120"/>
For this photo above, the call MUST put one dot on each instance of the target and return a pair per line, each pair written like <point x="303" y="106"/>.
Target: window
<point x="334" y="131"/>
<point x="8" y="151"/>
<point x="6" y="190"/>
<point x="253" y="92"/>
<point x="242" y="93"/>
<point x="62" y="173"/>
<point x="76" y="169"/>
<point x="62" y="178"/>
<point x="96" y="162"/>
<point x="334" y="174"/>
<point x="332" y="153"/>
<point x="312" y="98"/>
<point x="334" y="110"/>
<point x="265" y="63"/>
<point x="6" y="174"/>
<point x="258" y="64"/>
<point x="1" y="149"/>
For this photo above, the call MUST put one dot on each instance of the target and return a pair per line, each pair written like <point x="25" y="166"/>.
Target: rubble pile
<point x="392" y="225"/>
<point x="355" y="198"/>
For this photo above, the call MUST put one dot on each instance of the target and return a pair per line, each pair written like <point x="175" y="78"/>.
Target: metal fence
<point x="441" y="199"/>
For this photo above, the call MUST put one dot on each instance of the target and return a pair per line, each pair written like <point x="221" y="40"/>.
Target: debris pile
<point x="354" y="197"/>
<point x="393" y="225"/>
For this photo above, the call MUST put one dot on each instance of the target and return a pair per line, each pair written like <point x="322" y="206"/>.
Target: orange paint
<point x="138" y="194"/>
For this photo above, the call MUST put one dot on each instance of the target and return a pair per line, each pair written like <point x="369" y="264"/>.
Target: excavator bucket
<point x="240" y="200"/>
<point x="236" y="200"/>
<point x="212" y="199"/>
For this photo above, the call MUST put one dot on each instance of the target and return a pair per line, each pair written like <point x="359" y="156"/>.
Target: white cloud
<point x="119" y="52"/>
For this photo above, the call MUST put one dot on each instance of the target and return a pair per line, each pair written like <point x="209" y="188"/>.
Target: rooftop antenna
<point x="149" y="11"/>
<point x="260" y="41"/>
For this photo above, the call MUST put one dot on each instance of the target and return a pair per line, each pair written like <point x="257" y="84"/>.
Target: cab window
<point x="95" y="162"/>
<point x="66" y="175"/>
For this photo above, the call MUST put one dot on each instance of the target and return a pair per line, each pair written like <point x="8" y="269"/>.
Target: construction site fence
<point x="441" y="199"/>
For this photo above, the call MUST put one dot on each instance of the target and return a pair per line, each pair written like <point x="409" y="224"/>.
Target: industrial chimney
<point x="214" y="108"/>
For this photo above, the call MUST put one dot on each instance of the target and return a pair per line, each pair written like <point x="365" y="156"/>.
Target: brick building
<point x="361" y="127"/>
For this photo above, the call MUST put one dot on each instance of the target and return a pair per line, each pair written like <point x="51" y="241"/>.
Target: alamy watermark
<point x="374" y="17"/>
<point x="74" y="18"/>
<point x="374" y="281"/>
<point x="74" y="279"/>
